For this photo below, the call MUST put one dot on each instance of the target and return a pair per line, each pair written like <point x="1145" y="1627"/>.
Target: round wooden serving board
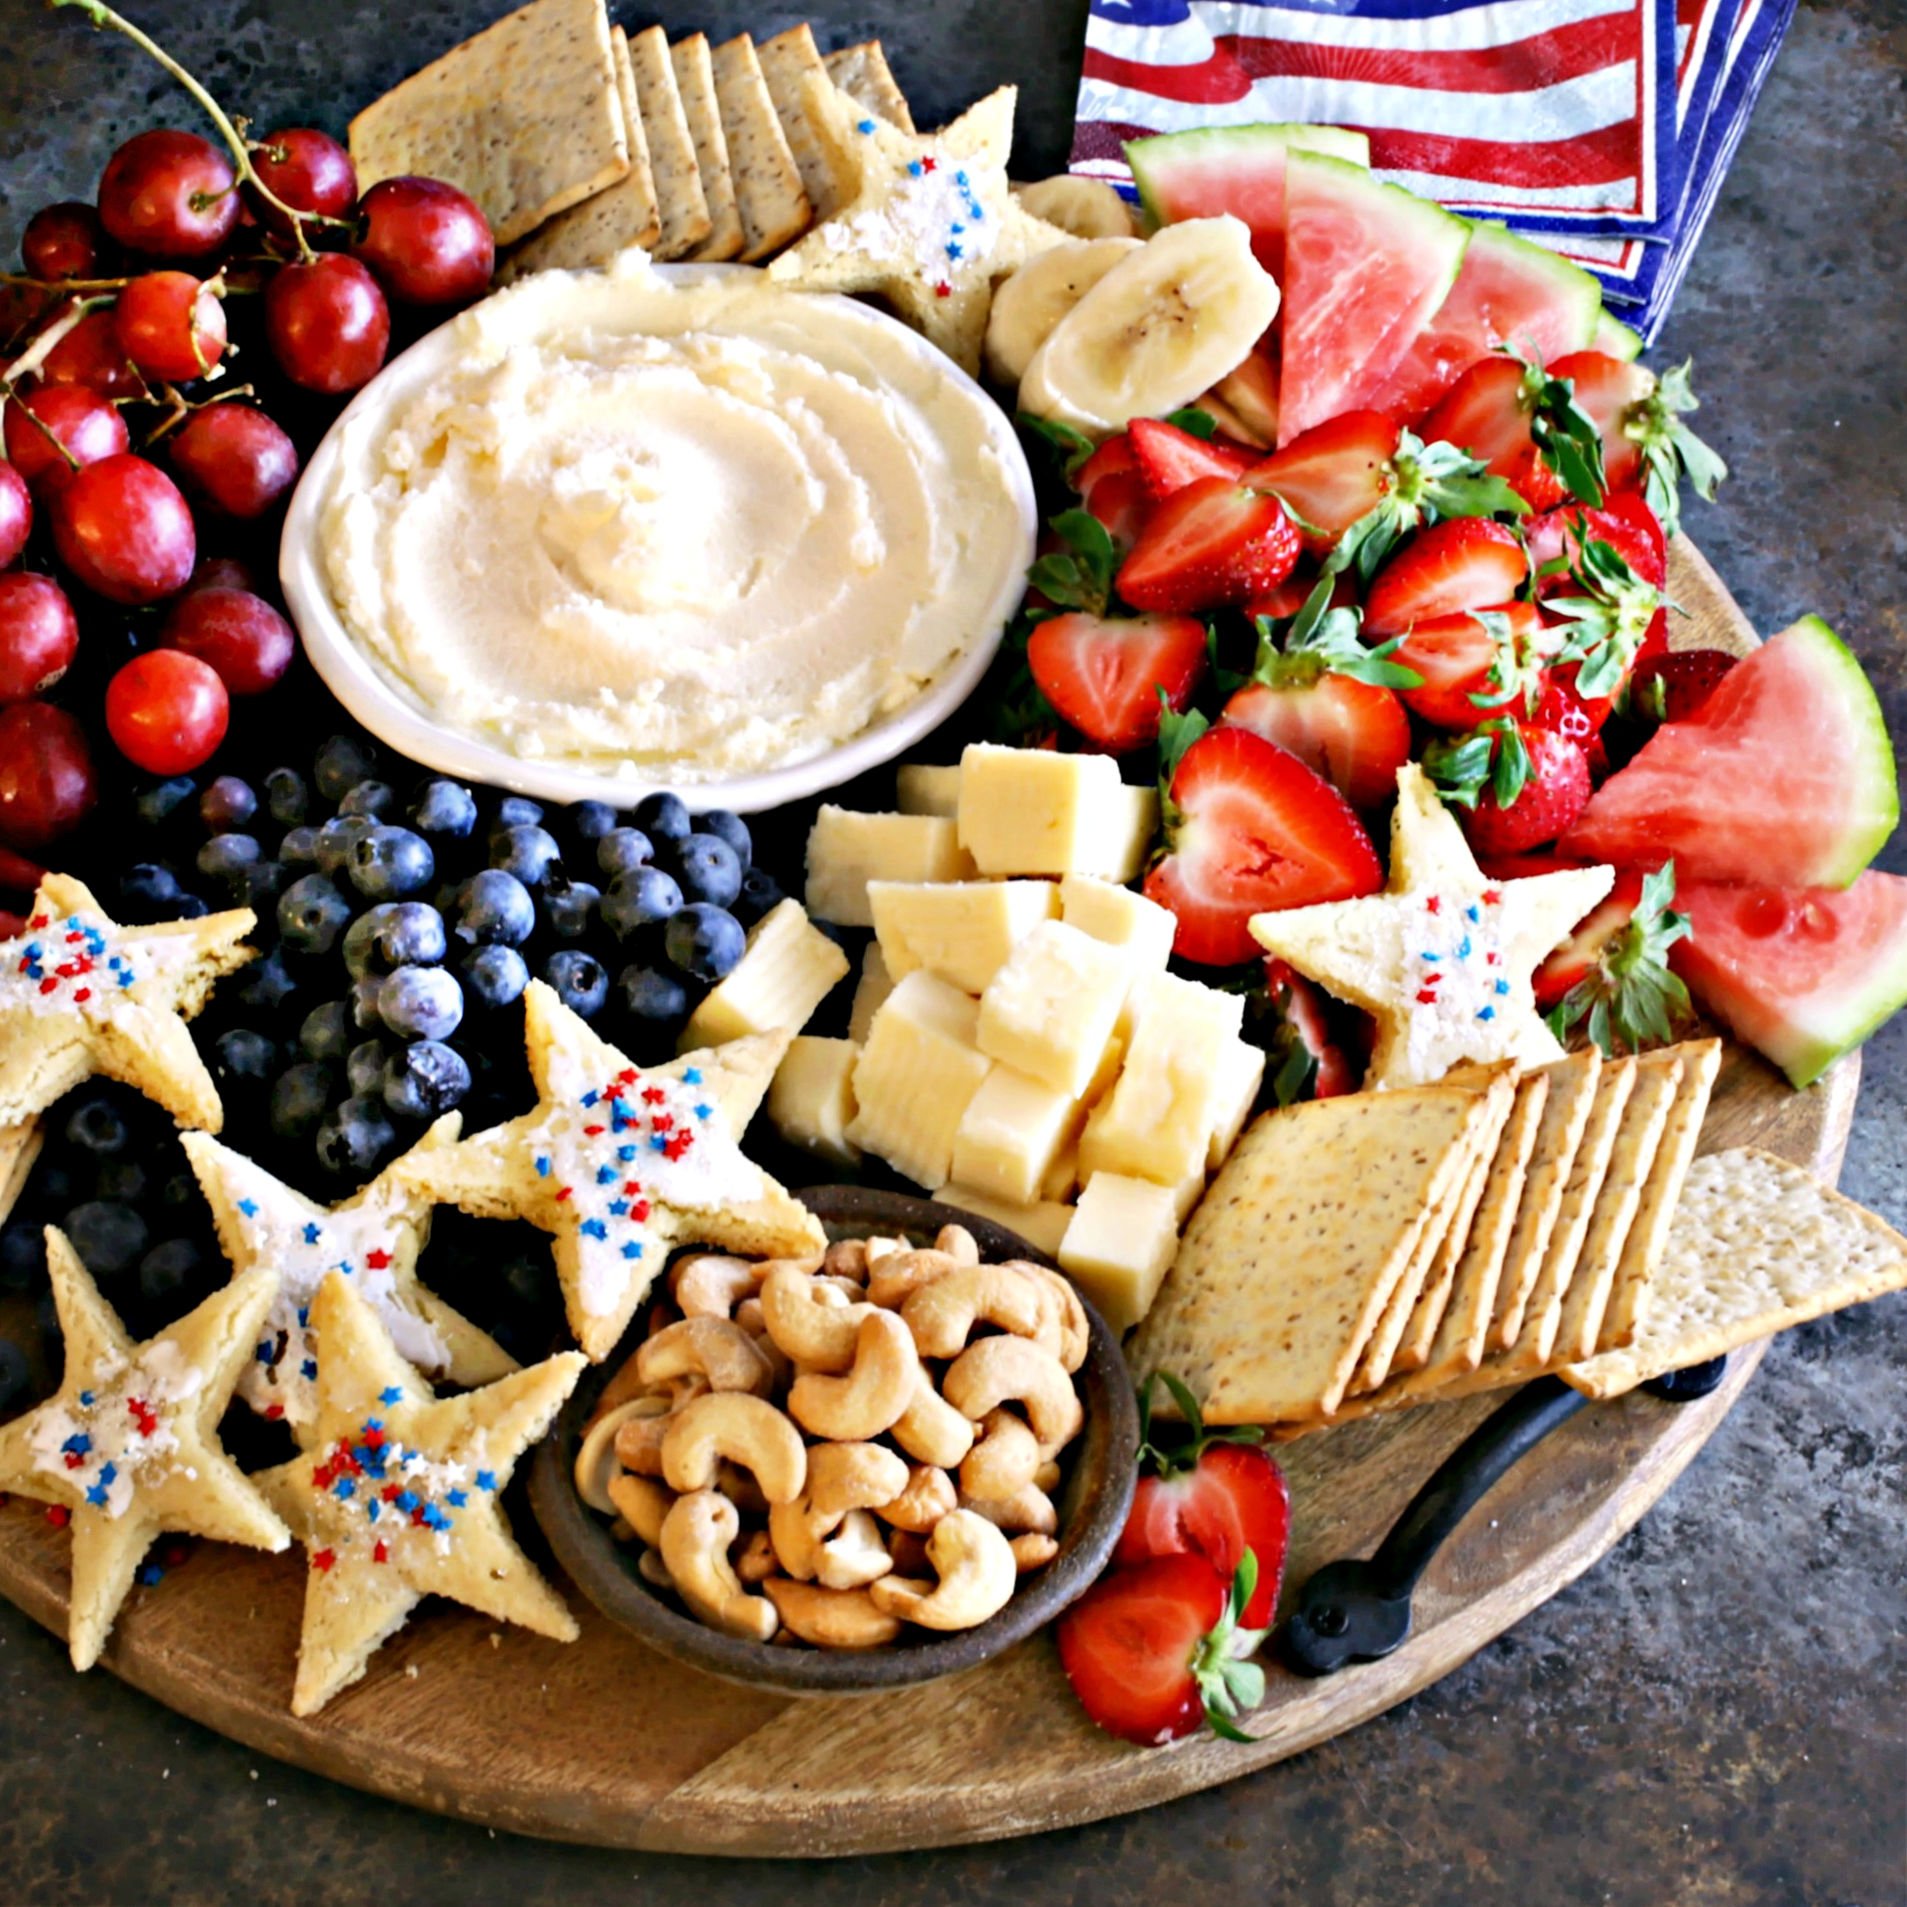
<point x="603" y="1741"/>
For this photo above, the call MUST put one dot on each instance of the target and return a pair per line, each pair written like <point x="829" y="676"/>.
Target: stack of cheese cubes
<point x="1016" y="1045"/>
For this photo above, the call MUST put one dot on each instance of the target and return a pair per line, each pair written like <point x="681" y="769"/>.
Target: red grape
<point x="168" y="194"/>
<point x="16" y="514"/>
<point x="82" y="420"/>
<point x="170" y="326"/>
<point x="240" y="635"/>
<point x="327" y="323"/>
<point x="121" y="526"/>
<point x="62" y="241"/>
<point x="91" y="354"/>
<point x="166" y="711"/>
<point x="47" y="784"/>
<point x="233" y="459"/>
<point x="223" y="572"/>
<point x="428" y="243"/>
<point x="307" y="169"/>
<point x="39" y="634"/>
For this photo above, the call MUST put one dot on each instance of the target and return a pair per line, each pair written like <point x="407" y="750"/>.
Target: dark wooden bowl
<point x="1094" y="1498"/>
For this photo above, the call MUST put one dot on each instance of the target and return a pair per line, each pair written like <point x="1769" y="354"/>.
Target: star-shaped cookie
<point x="373" y="1238"/>
<point x="397" y="1497"/>
<point x="128" y="1446"/>
<point x="620" y="1162"/>
<point x="929" y="223"/>
<point x="80" y="995"/>
<point x="1443" y="956"/>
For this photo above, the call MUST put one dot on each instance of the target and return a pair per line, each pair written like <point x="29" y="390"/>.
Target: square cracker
<point x="619" y="216"/>
<point x="769" y="195"/>
<point x="786" y="62"/>
<point x="862" y="72"/>
<point x="680" y="205"/>
<point x="695" y="81"/>
<point x="1757" y="1245"/>
<point x="1287" y="1263"/>
<point x="525" y="117"/>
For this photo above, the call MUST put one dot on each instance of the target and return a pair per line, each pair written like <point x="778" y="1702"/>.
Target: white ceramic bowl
<point x="396" y="718"/>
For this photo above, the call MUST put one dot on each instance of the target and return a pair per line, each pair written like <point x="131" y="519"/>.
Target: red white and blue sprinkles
<point x="377" y="1494"/>
<point x="932" y="218"/>
<point x="105" y="1440"/>
<point x="1458" y="959"/>
<point x="69" y="962"/>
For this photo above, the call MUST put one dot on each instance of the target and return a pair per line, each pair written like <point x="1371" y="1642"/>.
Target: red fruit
<point x="1333" y="473"/>
<point x="39" y="634"/>
<point x="1302" y="1005"/>
<point x="428" y="243"/>
<point x="1355" y="734"/>
<point x="91" y="354"/>
<point x="168" y="194"/>
<point x="82" y="422"/>
<point x="1670" y="687"/>
<point x="1462" y="563"/>
<point x="166" y="711"/>
<point x="306" y="169"/>
<point x="239" y="635"/>
<point x="62" y="241"/>
<point x="1148" y="1650"/>
<point x="1121" y="502"/>
<point x="1582" y="952"/>
<point x="1461" y="657"/>
<point x="1605" y="388"/>
<point x="47" y="783"/>
<point x="1556" y="792"/>
<point x="1212" y="543"/>
<point x="16" y="514"/>
<point x="1255" y="830"/>
<point x="170" y="326"/>
<point x="233" y="459"/>
<point x="1113" y="456"/>
<point x="223" y="572"/>
<point x="1486" y="412"/>
<point x="327" y="323"/>
<point x="1170" y="458"/>
<point x="1104" y="674"/>
<point x="1625" y="523"/>
<point x="123" y="529"/>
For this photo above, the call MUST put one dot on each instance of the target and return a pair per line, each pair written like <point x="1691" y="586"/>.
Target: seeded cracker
<point x="768" y="191"/>
<point x="680" y="202"/>
<point x="862" y="72"/>
<point x="524" y="117"/>
<point x="786" y="61"/>
<point x="695" y="81"/>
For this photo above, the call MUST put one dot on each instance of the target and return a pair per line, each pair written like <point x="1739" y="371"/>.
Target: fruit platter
<point x="872" y="956"/>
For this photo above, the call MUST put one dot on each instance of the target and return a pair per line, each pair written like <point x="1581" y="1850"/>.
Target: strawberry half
<point x="1468" y="665"/>
<point x="1525" y="423"/>
<point x="1611" y="976"/>
<point x="1251" y="829"/>
<point x="1465" y="563"/>
<point x="1106" y="674"/>
<point x="1517" y="786"/>
<point x="1671" y="686"/>
<point x="1578" y="956"/>
<point x="1169" y="458"/>
<point x="1210" y="544"/>
<point x="1300" y="1004"/>
<point x="1333" y="473"/>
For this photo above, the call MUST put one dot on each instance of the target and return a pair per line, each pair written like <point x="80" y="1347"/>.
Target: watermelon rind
<point x="1614" y="339"/>
<point x="1154" y="160"/>
<point x="1866" y="750"/>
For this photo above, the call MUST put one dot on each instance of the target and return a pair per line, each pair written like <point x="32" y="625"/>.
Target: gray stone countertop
<point x="1715" y="1714"/>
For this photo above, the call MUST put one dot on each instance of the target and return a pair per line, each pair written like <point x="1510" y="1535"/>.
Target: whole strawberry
<point x="1515" y="786"/>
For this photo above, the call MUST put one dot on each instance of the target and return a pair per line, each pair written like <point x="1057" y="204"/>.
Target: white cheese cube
<point x="1013" y="1130"/>
<point x="924" y="790"/>
<point x="1051" y="1008"/>
<point x="1062" y="1177"/>
<point x="961" y="930"/>
<point x="874" y="985"/>
<point x="1115" y="844"/>
<point x="790" y="966"/>
<point x="1031" y="811"/>
<point x="1120" y="1244"/>
<point x="811" y="1102"/>
<point x="846" y="850"/>
<point x="1241" y="1073"/>
<point x="1042" y="1225"/>
<point x="1187" y="1193"/>
<point x="916" y="1074"/>
<point x="1120" y="918"/>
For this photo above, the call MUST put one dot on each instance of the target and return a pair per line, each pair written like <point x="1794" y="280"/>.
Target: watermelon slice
<point x="1236" y="169"/>
<point x="1783" y="775"/>
<point x="1804" y="975"/>
<point x="1509" y="292"/>
<point x="1366" y="266"/>
<point x="1614" y="339"/>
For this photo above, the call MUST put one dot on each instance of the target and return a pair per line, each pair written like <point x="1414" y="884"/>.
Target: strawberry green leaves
<point x="1319" y="640"/>
<point x="1670" y="450"/>
<point x="1072" y="447"/>
<point x="1493" y="758"/>
<point x="1565" y="434"/>
<point x="1425" y="484"/>
<point x="1228" y="1684"/>
<point x="1177" y="733"/>
<point x="1079" y="574"/>
<point x="1194" y="422"/>
<point x="1630" y="997"/>
<point x="1602" y="628"/>
<point x="1181" y="1457"/>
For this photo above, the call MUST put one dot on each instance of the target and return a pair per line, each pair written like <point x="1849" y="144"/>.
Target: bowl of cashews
<point x="851" y="1472"/>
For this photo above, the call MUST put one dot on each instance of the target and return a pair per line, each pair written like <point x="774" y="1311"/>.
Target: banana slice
<point x="1167" y="322"/>
<point x="1250" y="393"/>
<point x="1088" y="208"/>
<point x="1030" y="303"/>
<point x="1230" y="424"/>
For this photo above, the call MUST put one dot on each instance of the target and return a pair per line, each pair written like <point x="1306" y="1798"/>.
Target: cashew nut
<point x="873" y="1394"/>
<point x="892" y="1276"/>
<point x="942" y="1313"/>
<point x="847" y="1258"/>
<point x="1003" y="1461"/>
<point x="638" y="1436"/>
<point x="854" y="1555"/>
<point x="928" y="1497"/>
<point x="1063" y="1329"/>
<point x="696" y="1535"/>
<point x="749" y="1315"/>
<point x="931" y="1429"/>
<point x="596" y="1454"/>
<point x="958" y="1243"/>
<point x="712" y="1348"/>
<point x="1032" y="1551"/>
<point x="831" y="1618"/>
<point x="854" y="1476"/>
<point x="755" y="1560"/>
<point x="740" y="1488"/>
<point x="710" y="1284"/>
<point x="976" y="1572"/>
<point x="812" y="1322"/>
<point x="643" y="1503"/>
<point x="1047" y="1477"/>
<point x="879" y="1248"/>
<point x="1001" y="1370"/>
<point x="653" y="1570"/>
<point x="623" y="1388"/>
<point x="744" y="1429"/>
<point x="1026" y="1509"/>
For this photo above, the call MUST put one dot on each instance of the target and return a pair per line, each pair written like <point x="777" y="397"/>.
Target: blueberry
<point x="368" y="797"/>
<point x="312" y="914"/>
<point x="706" y="870"/>
<point x="365" y="994"/>
<point x="168" y="1268"/>
<point x="22" y="1257"/>
<point x="364" y="1067"/>
<point x="410" y="934"/>
<point x="360" y="940"/>
<point x="287" y="796"/>
<point x="622" y="849"/>
<point x="495" y="976"/>
<point x="518" y="811"/>
<point x="525" y="850"/>
<point x="266" y="984"/>
<point x="425" y="1080"/>
<point x="338" y="838"/>
<point x="589" y="821"/>
<point x="108" y="1236"/>
<point x="13" y="1375"/>
<point x="299" y="1097"/>
<point x="147" y="892"/>
<point x="638" y="899"/>
<point x="570" y="907"/>
<point x="495" y="908"/>
<point x="97" y="1126"/>
<point x="445" y="808"/>
<point x="705" y="942"/>
<point x="356" y="1138"/>
<point x="298" y="847"/>
<point x="326" y="1031"/>
<point x="421" y="1003"/>
<point x="180" y="1193"/>
<point x="730" y="828"/>
<point x="663" y="817"/>
<point x="46" y="1314"/>
<point x="581" y="981"/>
<point x="653" y="995"/>
<point x="188" y="907"/>
<point x="390" y="862"/>
<point x="264" y="882"/>
<point x="158" y="804"/>
<point x="341" y="764"/>
<point x="121" y="1179"/>
<point x="245" y="1055"/>
<point x="226" y="804"/>
<point x="228" y="858"/>
<point x="761" y="894"/>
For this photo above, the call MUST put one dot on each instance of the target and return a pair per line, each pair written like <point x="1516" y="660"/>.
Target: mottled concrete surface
<point x="1715" y="1714"/>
